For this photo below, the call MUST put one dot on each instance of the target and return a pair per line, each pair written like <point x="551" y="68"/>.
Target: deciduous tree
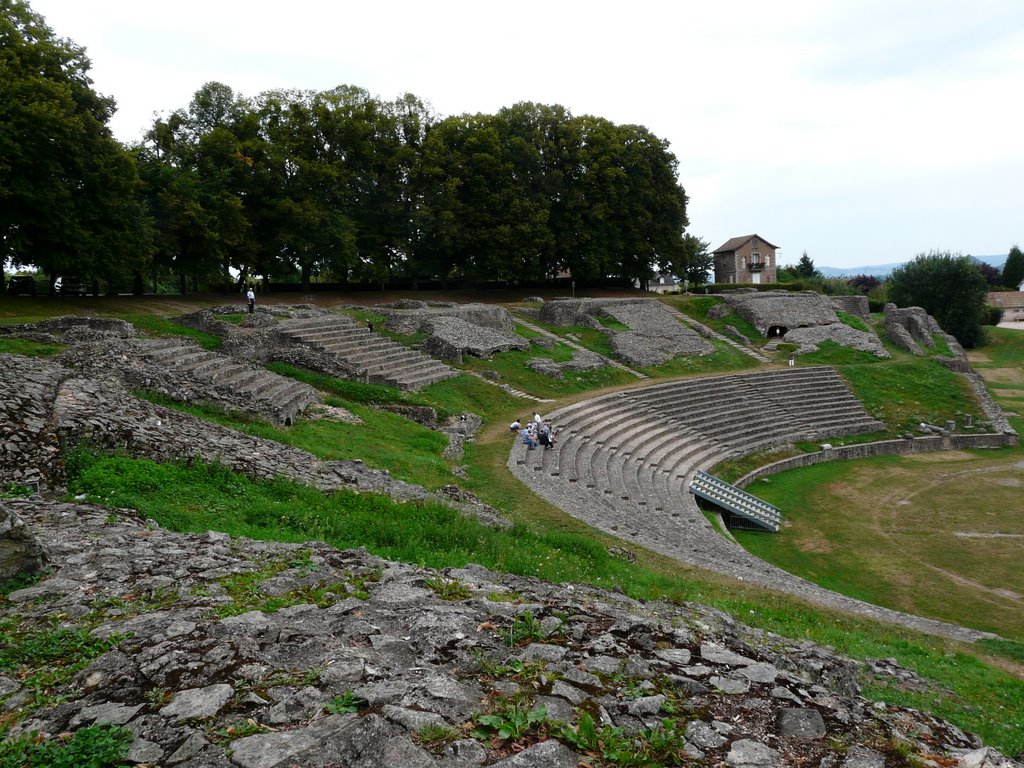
<point x="68" y="190"/>
<point x="949" y="287"/>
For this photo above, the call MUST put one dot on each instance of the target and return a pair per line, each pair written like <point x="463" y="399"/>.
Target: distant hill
<point x="883" y="270"/>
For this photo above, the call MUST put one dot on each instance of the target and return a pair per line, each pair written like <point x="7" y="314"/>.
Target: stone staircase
<point x="226" y="380"/>
<point x="736" y="501"/>
<point x="624" y="462"/>
<point x="378" y="359"/>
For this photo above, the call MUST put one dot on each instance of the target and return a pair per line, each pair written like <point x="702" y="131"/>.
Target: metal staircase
<point x="737" y="502"/>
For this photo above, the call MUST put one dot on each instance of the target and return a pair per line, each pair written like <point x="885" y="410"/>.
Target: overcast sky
<point x="861" y="131"/>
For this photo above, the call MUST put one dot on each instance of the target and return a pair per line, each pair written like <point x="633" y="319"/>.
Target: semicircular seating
<point x="623" y="462"/>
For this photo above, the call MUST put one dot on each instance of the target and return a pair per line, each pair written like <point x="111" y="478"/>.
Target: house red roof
<point x="737" y="242"/>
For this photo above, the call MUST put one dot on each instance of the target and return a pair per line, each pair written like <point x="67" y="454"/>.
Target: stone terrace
<point x="228" y="378"/>
<point x="381" y="360"/>
<point x="623" y="463"/>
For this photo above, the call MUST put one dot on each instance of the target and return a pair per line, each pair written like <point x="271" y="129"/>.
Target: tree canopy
<point x="68" y="190"/>
<point x="1013" y="269"/>
<point x="805" y="267"/>
<point x="335" y="183"/>
<point x="950" y="287"/>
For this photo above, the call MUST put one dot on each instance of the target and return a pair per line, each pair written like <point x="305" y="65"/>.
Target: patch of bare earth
<point x="1003" y="375"/>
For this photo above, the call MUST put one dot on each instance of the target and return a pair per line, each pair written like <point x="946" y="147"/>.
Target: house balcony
<point x="756" y="266"/>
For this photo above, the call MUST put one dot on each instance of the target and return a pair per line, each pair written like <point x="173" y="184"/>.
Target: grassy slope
<point x="546" y="543"/>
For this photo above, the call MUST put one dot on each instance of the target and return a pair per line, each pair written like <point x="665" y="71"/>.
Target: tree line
<point x="338" y="184"/>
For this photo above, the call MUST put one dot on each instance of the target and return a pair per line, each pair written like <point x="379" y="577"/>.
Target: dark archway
<point x="777" y="331"/>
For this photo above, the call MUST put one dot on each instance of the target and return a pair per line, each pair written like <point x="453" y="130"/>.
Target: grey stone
<point x="648" y="705"/>
<point x="267" y="750"/>
<point x="746" y="753"/>
<point x="198" y="702"/>
<point x="301" y="706"/>
<point x="106" y="713"/>
<point x="412" y="719"/>
<point x="863" y="757"/>
<point x="543" y="652"/>
<point x="20" y="551"/>
<point x="729" y="684"/>
<point x="677" y="656"/>
<point x="144" y="752"/>
<point x="546" y="754"/>
<point x="716" y="654"/>
<point x="760" y="673"/>
<point x="193" y="745"/>
<point x="703" y="735"/>
<point x="801" y="724"/>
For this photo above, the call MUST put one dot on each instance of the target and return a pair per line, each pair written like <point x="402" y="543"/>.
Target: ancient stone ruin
<point x="361" y="661"/>
<point x="655" y="335"/>
<point x="379" y="670"/>
<point x="805" y="318"/>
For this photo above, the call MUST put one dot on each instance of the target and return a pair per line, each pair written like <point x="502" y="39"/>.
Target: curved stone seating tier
<point x="225" y="379"/>
<point x="381" y="360"/>
<point x="623" y="463"/>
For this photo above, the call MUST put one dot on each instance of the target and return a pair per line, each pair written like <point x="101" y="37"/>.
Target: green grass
<point x="905" y="394"/>
<point x="95" y="746"/>
<point x="697" y="307"/>
<point x="614" y="324"/>
<point x="902" y="539"/>
<point x="830" y="353"/>
<point x="853" y="321"/>
<point x="512" y="369"/>
<point x="384" y="440"/>
<point x="724" y="359"/>
<point x="155" y="325"/>
<point x="591" y="338"/>
<point x="27" y="348"/>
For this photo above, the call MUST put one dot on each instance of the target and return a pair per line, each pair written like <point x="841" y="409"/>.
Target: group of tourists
<point x="535" y="432"/>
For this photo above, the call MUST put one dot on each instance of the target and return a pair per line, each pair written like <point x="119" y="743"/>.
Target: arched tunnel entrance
<point x="777" y="331"/>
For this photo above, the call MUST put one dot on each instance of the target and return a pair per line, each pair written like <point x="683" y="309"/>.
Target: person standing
<point x="250" y="296"/>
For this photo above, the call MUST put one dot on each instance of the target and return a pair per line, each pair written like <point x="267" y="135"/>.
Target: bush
<point x="949" y="287"/>
<point x="993" y="315"/>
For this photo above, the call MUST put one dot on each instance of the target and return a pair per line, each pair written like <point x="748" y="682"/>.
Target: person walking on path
<point x="250" y="297"/>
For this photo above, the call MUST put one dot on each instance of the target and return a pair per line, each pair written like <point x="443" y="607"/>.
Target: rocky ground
<point x="216" y="652"/>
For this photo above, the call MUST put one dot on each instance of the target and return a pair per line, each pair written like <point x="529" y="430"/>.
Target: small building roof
<point x="735" y="243"/>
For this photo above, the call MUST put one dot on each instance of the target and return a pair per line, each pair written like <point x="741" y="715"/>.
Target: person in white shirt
<point x="251" y="298"/>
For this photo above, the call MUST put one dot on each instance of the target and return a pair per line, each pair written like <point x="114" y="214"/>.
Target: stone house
<point x="1012" y="303"/>
<point x="745" y="259"/>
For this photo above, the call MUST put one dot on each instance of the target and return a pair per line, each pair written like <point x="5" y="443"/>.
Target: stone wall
<point x="903" y="447"/>
<point x="450" y="338"/>
<point x="857" y="306"/>
<point x="781" y="308"/>
<point x="29" y="453"/>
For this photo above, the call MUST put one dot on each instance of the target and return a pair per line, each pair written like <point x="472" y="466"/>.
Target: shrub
<point x="949" y="287"/>
<point x="993" y="315"/>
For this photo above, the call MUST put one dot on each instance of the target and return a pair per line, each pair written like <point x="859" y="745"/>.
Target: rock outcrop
<point x="782" y="309"/>
<point x="654" y="334"/>
<point x="222" y="653"/>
